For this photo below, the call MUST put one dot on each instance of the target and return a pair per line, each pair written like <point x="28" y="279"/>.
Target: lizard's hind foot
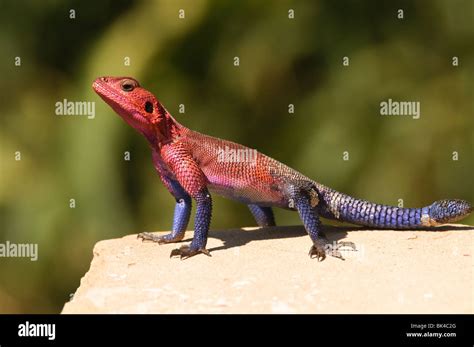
<point x="321" y="248"/>
<point x="333" y="250"/>
<point x="318" y="250"/>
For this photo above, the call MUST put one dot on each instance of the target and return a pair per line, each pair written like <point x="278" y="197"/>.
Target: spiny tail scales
<point x="348" y="209"/>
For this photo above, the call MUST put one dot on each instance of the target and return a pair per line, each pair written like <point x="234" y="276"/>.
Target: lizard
<point x="191" y="167"/>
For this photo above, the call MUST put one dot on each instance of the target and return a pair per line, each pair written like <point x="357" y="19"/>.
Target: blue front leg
<point x="182" y="212"/>
<point x="202" y="222"/>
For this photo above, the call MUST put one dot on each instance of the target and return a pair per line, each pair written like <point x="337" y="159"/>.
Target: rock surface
<point x="267" y="270"/>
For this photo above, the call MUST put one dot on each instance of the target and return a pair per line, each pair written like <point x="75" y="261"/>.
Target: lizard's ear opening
<point x="148" y="107"/>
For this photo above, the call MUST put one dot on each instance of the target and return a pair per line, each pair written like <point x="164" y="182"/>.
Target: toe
<point x="318" y="252"/>
<point x="185" y="252"/>
<point x="347" y="244"/>
<point x="145" y="236"/>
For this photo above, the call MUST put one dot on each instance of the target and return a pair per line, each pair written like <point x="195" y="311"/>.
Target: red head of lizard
<point x="138" y="107"/>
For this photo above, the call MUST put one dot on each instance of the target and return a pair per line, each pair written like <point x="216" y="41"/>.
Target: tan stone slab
<point x="268" y="270"/>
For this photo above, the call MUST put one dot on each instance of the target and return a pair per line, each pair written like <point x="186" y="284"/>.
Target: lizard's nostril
<point x="105" y="79"/>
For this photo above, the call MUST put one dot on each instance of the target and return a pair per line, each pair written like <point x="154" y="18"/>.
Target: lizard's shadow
<point x="442" y="228"/>
<point x="241" y="236"/>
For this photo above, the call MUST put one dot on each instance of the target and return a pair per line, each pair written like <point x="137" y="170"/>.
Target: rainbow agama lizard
<point x="191" y="166"/>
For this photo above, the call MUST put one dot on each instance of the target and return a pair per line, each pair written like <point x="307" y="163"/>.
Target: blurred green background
<point x="190" y="61"/>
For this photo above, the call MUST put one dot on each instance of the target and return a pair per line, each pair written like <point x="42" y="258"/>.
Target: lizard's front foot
<point x="169" y="238"/>
<point x="185" y="252"/>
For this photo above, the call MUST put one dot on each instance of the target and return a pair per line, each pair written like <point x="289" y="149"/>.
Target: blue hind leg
<point x="304" y="203"/>
<point x="263" y="215"/>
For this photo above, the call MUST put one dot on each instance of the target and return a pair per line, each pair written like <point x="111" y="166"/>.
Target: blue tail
<point x="348" y="209"/>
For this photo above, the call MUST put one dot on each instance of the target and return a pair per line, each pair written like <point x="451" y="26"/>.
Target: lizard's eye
<point x="127" y="86"/>
<point x="149" y="107"/>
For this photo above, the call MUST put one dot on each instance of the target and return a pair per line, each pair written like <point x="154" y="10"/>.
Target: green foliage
<point x="190" y="61"/>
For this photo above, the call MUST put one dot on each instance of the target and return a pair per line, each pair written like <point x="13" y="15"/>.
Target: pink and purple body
<point x="192" y="166"/>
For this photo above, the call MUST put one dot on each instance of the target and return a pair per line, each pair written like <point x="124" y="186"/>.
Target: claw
<point x="347" y="244"/>
<point x="185" y="252"/>
<point x="321" y="248"/>
<point x="317" y="251"/>
<point x="145" y="236"/>
<point x="334" y="252"/>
